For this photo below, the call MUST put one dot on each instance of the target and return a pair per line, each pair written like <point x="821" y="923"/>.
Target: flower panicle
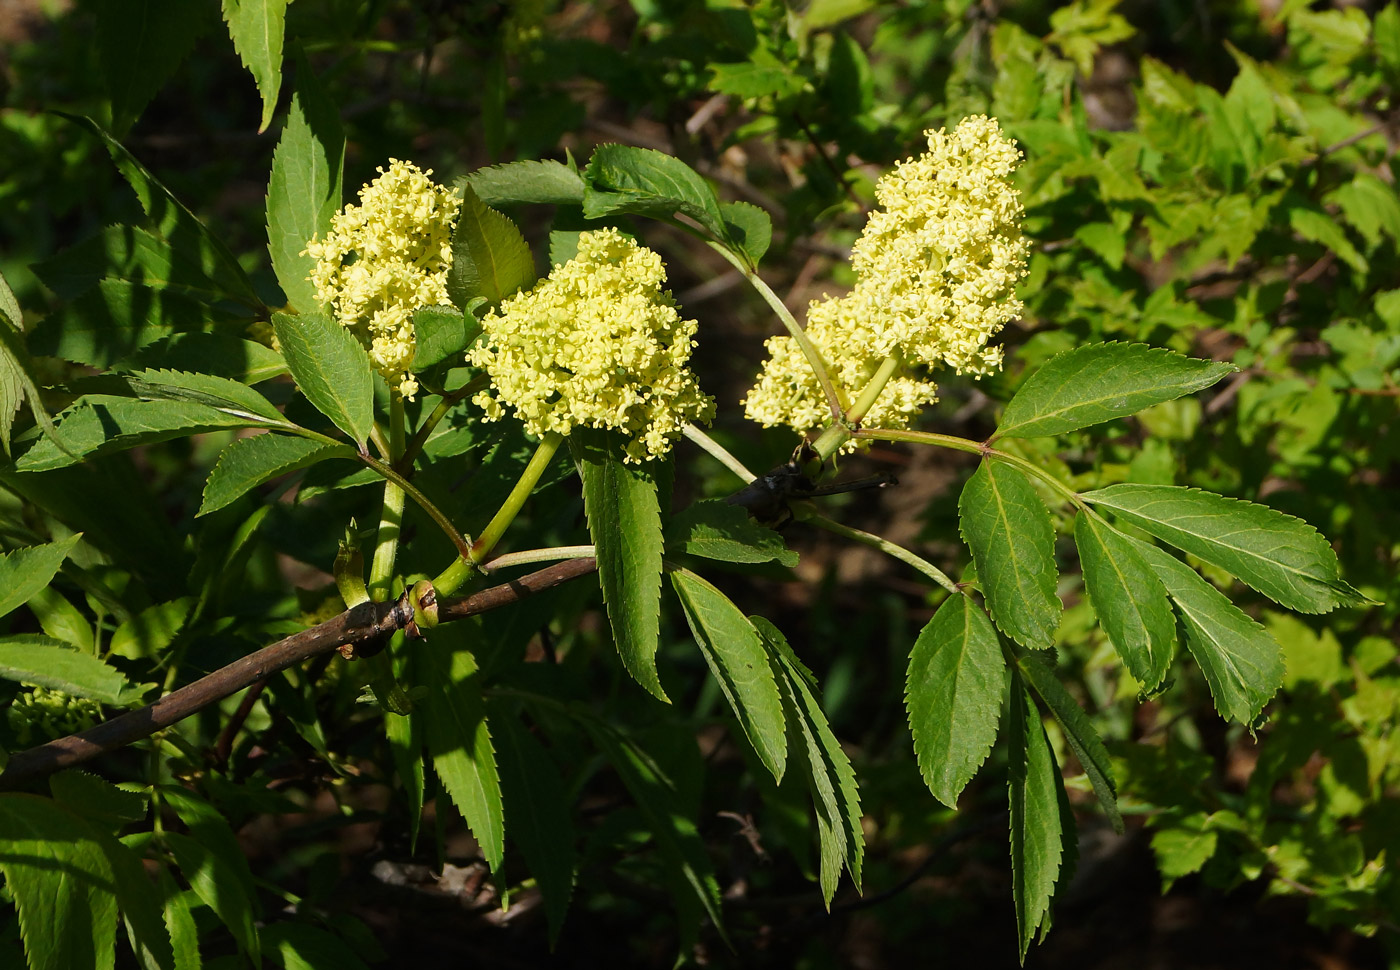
<point x="385" y="258"/>
<point x="936" y="270"/>
<point x="598" y="343"/>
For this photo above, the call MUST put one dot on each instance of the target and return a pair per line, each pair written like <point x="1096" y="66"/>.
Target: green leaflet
<point x="248" y="462"/>
<point x="151" y="630"/>
<point x="750" y="227"/>
<point x="540" y="819"/>
<point x="33" y="658"/>
<point x="62" y="883"/>
<point x="23" y="572"/>
<point x="624" y="520"/>
<point x="716" y="529"/>
<point x="1282" y="557"/>
<point x="620" y="178"/>
<point x="1007" y="527"/>
<point x="16" y="383"/>
<point x="737" y="659"/>
<point x="1183" y="847"/>
<point x="460" y="744"/>
<point x="1096" y="383"/>
<point x="103" y="425"/>
<point x="61" y="620"/>
<point x="99" y="800"/>
<point x="404" y="735"/>
<point x="528" y="181"/>
<point x="441" y="332"/>
<point x="331" y="369"/>
<point x="1316" y="225"/>
<point x="169" y="218"/>
<point x="179" y="921"/>
<point x="214" y="354"/>
<point x="830" y="777"/>
<point x="1037" y="837"/>
<point x="219" y="888"/>
<point x="140" y="43"/>
<point x="490" y="258"/>
<point x="1241" y="661"/>
<point x="301" y="946"/>
<point x="256" y="28"/>
<point x="115" y="320"/>
<point x="953" y="694"/>
<point x="1127" y="598"/>
<point x="220" y="393"/>
<point x="1079" y="731"/>
<point x="213" y="832"/>
<point x="692" y="878"/>
<point x="762" y="76"/>
<point x="129" y="253"/>
<point x="304" y="189"/>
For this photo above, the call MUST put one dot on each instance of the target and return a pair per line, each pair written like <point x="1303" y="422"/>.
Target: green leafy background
<point x="1214" y="179"/>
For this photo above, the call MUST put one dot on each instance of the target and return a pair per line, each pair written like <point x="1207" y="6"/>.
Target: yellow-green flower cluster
<point x="41" y="714"/>
<point x="936" y="270"/>
<point x="385" y="258"/>
<point x="596" y="344"/>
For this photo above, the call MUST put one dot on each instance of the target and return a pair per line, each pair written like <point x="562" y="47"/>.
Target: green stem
<point x="978" y="448"/>
<point x="425" y="431"/>
<point x="381" y="570"/>
<point x="856" y="413"/>
<point x="718" y="452"/>
<point x="809" y="349"/>
<point x="831" y="440"/>
<point x="552" y="554"/>
<point x="388" y="474"/>
<point x="810" y="515"/>
<point x="456" y="574"/>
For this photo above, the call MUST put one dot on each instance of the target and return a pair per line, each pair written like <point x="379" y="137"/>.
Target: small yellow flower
<point x="936" y="271"/>
<point x="597" y="344"/>
<point x="385" y="258"/>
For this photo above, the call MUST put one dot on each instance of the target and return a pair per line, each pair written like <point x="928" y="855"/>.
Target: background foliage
<point x="1214" y="178"/>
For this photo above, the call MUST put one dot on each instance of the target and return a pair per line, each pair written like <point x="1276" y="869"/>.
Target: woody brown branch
<point x="366" y="624"/>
